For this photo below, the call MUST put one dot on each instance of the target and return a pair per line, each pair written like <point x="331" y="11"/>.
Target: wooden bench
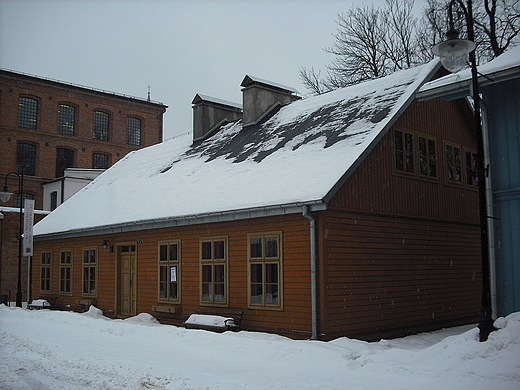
<point x="43" y="303"/>
<point x="167" y="309"/>
<point x="215" y="319"/>
<point x="85" y="304"/>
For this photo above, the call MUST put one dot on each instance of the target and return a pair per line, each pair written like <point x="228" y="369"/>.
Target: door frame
<point x="120" y="250"/>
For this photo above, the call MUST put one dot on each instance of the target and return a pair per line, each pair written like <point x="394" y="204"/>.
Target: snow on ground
<point x="43" y="349"/>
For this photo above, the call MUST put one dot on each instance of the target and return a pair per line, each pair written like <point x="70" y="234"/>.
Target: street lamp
<point x="5" y="195"/>
<point x="454" y="53"/>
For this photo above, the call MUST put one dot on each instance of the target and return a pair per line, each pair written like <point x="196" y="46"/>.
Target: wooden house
<point x="345" y="214"/>
<point x="499" y="83"/>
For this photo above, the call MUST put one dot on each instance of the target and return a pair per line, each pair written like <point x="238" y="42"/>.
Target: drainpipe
<point x="314" y="295"/>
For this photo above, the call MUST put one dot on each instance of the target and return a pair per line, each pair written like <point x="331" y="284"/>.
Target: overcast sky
<point x="178" y="47"/>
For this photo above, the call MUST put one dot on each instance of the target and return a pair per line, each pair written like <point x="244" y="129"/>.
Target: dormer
<point x="260" y="97"/>
<point x="210" y="113"/>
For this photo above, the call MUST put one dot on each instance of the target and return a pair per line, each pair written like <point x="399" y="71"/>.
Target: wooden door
<point x="127" y="277"/>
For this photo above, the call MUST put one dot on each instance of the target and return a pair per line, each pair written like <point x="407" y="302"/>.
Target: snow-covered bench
<point x="215" y="319"/>
<point x="40" y="303"/>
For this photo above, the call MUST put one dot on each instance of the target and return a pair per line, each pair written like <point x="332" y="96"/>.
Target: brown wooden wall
<point x="382" y="275"/>
<point x="293" y="320"/>
<point x="374" y="187"/>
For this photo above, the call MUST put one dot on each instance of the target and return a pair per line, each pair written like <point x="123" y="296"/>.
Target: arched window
<point x="27" y="113"/>
<point x="133" y="132"/>
<point x="26" y="159"/>
<point x="101" y="120"/>
<point x="64" y="160"/>
<point x="66" y="118"/>
<point x="99" y="161"/>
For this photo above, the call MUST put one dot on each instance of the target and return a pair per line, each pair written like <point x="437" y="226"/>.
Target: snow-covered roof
<point x="502" y="68"/>
<point x="300" y="156"/>
<point x="200" y="97"/>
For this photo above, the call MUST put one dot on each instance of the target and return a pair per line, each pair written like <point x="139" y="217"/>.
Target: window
<point x="133" y="132"/>
<point x="213" y="269"/>
<point x="404" y="152"/>
<point x="453" y="163"/>
<point x="54" y="200"/>
<point x="25" y="196"/>
<point x="470" y="158"/>
<point x="99" y="161"/>
<point x="45" y="272"/>
<point x="64" y="160"/>
<point x="169" y="271"/>
<point x="90" y="271"/>
<point x="66" y="272"/>
<point x="101" y="125"/>
<point x="66" y="117"/>
<point x="265" y="266"/>
<point x="427" y="156"/>
<point x="26" y="159"/>
<point x="27" y="113"/>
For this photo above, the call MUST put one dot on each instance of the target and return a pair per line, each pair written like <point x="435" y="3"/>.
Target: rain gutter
<point x="168" y="222"/>
<point x="314" y="295"/>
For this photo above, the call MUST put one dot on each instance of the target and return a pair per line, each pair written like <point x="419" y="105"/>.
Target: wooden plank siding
<point x="386" y="274"/>
<point x="402" y="252"/>
<point x="293" y="320"/>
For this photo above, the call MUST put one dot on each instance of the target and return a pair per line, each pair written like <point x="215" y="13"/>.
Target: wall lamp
<point x="107" y="244"/>
<point x="454" y="54"/>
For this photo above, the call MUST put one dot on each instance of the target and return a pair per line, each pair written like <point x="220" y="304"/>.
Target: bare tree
<point x="372" y="42"/>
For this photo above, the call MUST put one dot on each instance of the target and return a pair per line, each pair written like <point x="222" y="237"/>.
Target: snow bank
<point x="45" y="349"/>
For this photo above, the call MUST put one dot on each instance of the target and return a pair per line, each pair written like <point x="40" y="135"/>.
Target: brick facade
<point x="50" y="94"/>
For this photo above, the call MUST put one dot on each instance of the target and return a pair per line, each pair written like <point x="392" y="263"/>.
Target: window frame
<point x="63" y="267"/>
<point x="428" y="138"/>
<point x="474" y="158"/>
<point x="404" y="171"/>
<point x="47" y="266"/>
<point x="264" y="261"/>
<point x="26" y="158"/>
<point x="132" y="131"/>
<point x="169" y="263"/>
<point x="452" y="182"/>
<point x="97" y="133"/>
<point x="23" y="113"/>
<point x="63" y="158"/>
<point x="89" y="266"/>
<point x="63" y="117"/>
<point x="213" y="263"/>
<point x="98" y="154"/>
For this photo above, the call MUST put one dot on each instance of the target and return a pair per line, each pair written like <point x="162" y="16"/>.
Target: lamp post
<point x="5" y="195"/>
<point x="454" y="53"/>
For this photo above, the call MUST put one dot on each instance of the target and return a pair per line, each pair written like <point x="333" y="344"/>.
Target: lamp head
<point x="453" y="52"/>
<point x="5" y="195"/>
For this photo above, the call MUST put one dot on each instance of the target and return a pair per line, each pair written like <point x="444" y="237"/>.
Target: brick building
<point x="47" y="126"/>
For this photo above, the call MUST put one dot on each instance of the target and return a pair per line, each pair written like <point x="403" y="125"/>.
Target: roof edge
<point x="232" y="215"/>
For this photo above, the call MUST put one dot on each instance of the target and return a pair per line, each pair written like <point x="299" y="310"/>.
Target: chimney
<point x="260" y="97"/>
<point x="210" y="113"/>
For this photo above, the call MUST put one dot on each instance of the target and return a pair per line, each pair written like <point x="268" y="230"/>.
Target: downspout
<point x="314" y="295"/>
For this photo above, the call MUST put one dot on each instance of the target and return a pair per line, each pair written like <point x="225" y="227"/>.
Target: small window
<point x="26" y="159"/>
<point x="54" y="200"/>
<point x="169" y="271"/>
<point x="427" y="156"/>
<point x="453" y="163"/>
<point x="213" y="270"/>
<point x="99" y="161"/>
<point x="66" y="272"/>
<point x="470" y="158"/>
<point x="90" y="271"/>
<point x="66" y="118"/>
<point x="404" y="152"/>
<point x="64" y="160"/>
<point x="101" y="120"/>
<point x="265" y="270"/>
<point x="45" y="273"/>
<point x="27" y="113"/>
<point x="133" y="132"/>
